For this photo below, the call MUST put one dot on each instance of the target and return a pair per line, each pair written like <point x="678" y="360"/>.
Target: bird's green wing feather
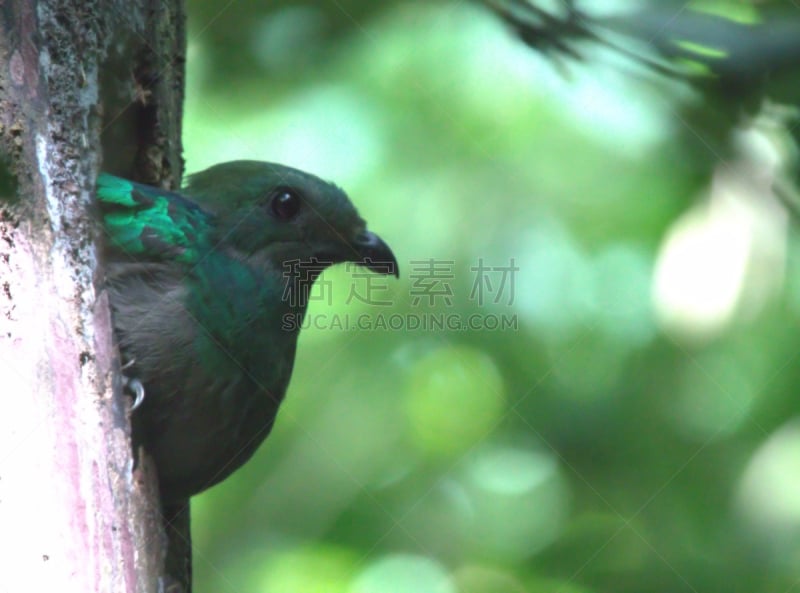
<point x="149" y="223"/>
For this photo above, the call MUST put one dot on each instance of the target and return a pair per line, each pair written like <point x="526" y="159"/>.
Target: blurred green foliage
<point x="635" y="429"/>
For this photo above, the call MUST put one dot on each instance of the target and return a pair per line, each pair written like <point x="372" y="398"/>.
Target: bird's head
<point x="283" y="215"/>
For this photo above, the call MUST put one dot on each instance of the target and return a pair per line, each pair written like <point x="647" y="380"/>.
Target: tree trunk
<point x="76" y="512"/>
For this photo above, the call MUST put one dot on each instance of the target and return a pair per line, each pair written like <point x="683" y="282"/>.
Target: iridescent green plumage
<point x="145" y="221"/>
<point x="201" y="283"/>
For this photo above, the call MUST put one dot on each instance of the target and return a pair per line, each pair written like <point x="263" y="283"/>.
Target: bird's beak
<point x="374" y="254"/>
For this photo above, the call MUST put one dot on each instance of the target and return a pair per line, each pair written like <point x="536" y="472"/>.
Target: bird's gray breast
<point x="214" y="363"/>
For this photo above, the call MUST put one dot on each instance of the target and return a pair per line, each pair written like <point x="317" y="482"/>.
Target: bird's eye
<point x="285" y="204"/>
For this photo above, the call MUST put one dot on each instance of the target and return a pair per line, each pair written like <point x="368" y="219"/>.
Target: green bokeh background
<point x="601" y="443"/>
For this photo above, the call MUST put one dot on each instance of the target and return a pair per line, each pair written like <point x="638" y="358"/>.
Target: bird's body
<point x="200" y="284"/>
<point x="214" y="375"/>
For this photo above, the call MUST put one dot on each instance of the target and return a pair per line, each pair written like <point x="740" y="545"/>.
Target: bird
<point x="201" y="283"/>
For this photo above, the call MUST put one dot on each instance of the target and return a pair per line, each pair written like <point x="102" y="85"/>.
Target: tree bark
<point x="77" y="512"/>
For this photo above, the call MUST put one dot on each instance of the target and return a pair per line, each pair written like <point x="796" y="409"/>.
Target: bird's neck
<point x="291" y="276"/>
<point x="297" y="279"/>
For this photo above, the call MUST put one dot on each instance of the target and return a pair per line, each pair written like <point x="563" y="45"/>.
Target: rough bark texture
<point x="76" y="514"/>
